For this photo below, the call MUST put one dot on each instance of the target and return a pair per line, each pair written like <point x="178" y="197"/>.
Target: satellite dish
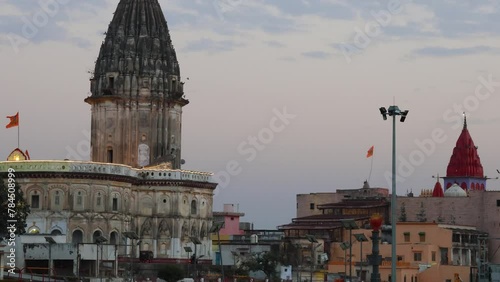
<point x="183" y="161"/>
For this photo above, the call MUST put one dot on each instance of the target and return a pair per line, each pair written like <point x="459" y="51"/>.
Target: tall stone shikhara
<point x="136" y="90"/>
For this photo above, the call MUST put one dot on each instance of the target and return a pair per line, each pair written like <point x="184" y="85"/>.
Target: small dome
<point x="455" y="191"/>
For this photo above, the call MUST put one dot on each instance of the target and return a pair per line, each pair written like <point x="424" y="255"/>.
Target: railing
<point x="398" y="264"/>
<point x="27" y="273"/>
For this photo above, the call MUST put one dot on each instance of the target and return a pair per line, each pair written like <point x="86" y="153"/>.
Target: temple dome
<point x="465" y="162"/>
<point x="455" y="191"/>
<point x="438" y="190"/>
<point x="137" y="54"/>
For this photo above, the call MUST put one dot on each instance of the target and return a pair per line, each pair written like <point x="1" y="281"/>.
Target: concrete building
<point x="464" y="201"/>
<point x="426" y="252"/>
<point x="133" y="193"/>
<point x="239" y="241"/>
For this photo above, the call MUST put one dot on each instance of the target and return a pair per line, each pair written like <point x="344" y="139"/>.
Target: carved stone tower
<point x="136" y="90"/>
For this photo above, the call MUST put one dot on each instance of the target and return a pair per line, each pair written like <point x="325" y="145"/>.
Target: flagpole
<point x="18" y="125"/>
<point x="371" y="167"/>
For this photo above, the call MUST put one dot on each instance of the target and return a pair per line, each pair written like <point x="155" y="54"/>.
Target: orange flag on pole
<point x="14" y="121"/>
<point x="370" y="152"/>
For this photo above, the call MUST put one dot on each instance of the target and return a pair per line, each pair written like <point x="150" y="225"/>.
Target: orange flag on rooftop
<point x="14" y="121"/>
<point x="370" y="152"/>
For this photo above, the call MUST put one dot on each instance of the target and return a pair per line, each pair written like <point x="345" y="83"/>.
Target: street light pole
<point x="345" y="246"/>
<point x="313" y="240"/>
<point x="51" y="241"/>
<point x="361" y="238"/>
<point x="98" y="242"/>
<point x="132" y="236"/>
<point x="349" y="224"/>
<point x="195" y="241"/>
<point x="216" y="227"/>
<point x="393" y="111"/>
<point x="188" y="250"/>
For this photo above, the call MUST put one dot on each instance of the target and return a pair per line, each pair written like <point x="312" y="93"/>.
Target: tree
<point x="402" y="216"/>
<point x="421" y="214"/>
<point x="266" y="262"/>
<point x="13" y="209"/>
<point x="171" y="273"/>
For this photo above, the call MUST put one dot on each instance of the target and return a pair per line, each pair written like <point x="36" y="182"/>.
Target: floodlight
<point x="311" y="238"/>
<point x="360" y="237"/>
<point x="50" y="240"/>
<point x="403" y="115"/>
<point x="100" y="239"/>
<point x="383" y="112"/>
<point x="195" y="240"/>
<point x="217" y="226"/>
<point x="345" y="245"/>
<point x="188" y="249"/>
<point x="130" y="235"/>
<point x="394" y="111"/>
<point x="349" y="224"/>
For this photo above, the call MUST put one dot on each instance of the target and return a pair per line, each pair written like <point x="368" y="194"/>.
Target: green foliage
<point x="402" y="216"/>
<point x="421" y="214"/>
<point x="171" y="273"/>
<point x="13" y="207"/>
<point x="266" y="262"/>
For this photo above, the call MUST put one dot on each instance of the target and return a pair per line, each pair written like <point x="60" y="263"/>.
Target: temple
<point x="465" y="167"/>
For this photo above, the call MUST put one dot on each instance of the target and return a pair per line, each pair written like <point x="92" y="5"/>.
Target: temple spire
<point x="465" y="121"/>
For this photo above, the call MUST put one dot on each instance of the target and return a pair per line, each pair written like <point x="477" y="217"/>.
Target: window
<point x="115" y="204"/>
<point x="193" y="207"/>
<point x="56" y="232"/>
<point x="111" y="82"/>
<point x="444" y="255"/>
<point x="79" y="199"/>
<point x="417" y="256"/>
<point x="110" y="155"/>
<point x="35" y="201"/>
<point x="57" y="198"/>
<point x="311" y="206"/>
<point x="98" y="200"/>
<point x="433" y="255"/>
<point x="421" y="235"/>
<point x="407" y="236"/>
<point x="77" y="237"/>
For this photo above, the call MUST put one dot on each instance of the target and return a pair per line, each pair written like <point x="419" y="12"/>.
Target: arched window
<point x="113" y="238"/>
<point x="448" y="185"/>
<point x="193" y="207"/>
<point x="57" y="199"/>
<point x="464" y="186"/>
<point x="482" y="187"/>
<point x="78" y="201"/>
<point x="77" y="237"/>
<point x="96" y="234"/>
<point x="35" y="200"/>
<point x="55" y="232"/>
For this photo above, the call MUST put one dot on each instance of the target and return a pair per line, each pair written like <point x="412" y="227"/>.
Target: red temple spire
<point x="464" y="161"/>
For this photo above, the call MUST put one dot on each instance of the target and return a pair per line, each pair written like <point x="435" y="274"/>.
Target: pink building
<point x="231" y="218"/>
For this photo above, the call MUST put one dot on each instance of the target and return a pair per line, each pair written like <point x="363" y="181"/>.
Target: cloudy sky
<point x="284" y="94"/>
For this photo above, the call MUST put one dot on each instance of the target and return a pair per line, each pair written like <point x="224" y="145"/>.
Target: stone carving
<point x="164" y="229"/>
<point x="143" y="159"/>
<point x="146" y="230"/>
<point x="185" y="230"/>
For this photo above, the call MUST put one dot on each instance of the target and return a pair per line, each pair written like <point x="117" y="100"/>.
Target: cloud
<point x="211" y="46"/>
<point x="275" y="44"/>
<point x="449" y="52"/>
<point x="316" y="54"/>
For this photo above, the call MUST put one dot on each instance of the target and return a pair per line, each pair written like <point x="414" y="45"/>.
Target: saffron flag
<point x="370" y="152"/>
<point x="14" y="121"/>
